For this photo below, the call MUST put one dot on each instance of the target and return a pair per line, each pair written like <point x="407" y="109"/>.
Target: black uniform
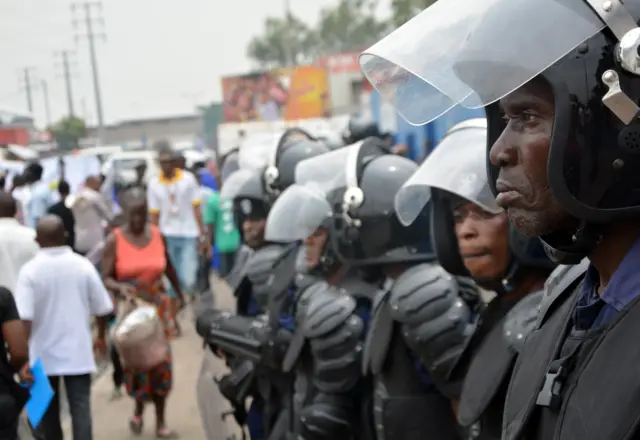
<point x="367" y="234"/>
<point x="453" y="175"/>
<point x="256" y="338"/>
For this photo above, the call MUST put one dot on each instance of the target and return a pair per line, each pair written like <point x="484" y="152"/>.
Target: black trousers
<point x="78" y="390"/>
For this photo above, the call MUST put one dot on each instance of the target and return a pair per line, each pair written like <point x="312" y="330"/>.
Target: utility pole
<point x="28" y="85"/>
<point x="65" y="56"/>
<point x="91" y="20"/>
<point x="47" y="108"/>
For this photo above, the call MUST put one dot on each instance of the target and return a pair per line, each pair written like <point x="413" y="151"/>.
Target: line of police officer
<point x="396" y="254"/>
<point x="361" y="332"/>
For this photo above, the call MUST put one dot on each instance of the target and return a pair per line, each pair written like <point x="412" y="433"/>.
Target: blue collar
<point x="624" y="285"/>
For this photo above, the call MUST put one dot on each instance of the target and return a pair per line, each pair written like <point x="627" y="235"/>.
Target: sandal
<point x="166" y="433"/>
<point x="135" y="425"/>
<point x="116" y="394"/>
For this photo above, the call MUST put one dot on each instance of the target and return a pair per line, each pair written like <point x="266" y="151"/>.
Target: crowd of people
<point x="488" y="293"/>
<point x="71" y="266"/>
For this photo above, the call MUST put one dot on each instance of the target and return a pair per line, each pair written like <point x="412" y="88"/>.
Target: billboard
<point x="283" y="94"/>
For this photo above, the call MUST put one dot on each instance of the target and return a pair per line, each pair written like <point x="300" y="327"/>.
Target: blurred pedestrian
<point x="57" y="293"/>
<point x="21" y="192"/>
<point x="174" y="206"/>
<point x="62" y="210"/>
<point x="135" y="260"/>
<point x="14" y="358"/>
<point x="41" y="196"/>
<point x="91" y="214"/>
<point x="181" y="161"/>
<point x="223" y="231"/>
<point x="17" y="242"/>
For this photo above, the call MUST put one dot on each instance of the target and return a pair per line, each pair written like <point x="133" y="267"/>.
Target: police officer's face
<point x="483" y="241"/>
<point x="314" y="245"/>
<point x="253" y="232"/>
<point x="521" y="152"/>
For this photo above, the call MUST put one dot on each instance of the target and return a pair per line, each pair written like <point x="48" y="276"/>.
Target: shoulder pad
<point x="261" y="264"/>
<point x="302" y="299"/>
<point x="521" y="319"/>
<point x="328" y="308"/>
<point x="422" y="293"/>
<point x="240" y="265"/>
<point x="304" y="280"/>
<point x="557" y="284"/>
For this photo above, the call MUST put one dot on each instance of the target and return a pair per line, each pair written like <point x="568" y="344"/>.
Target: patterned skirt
<point x="149" y="384"/>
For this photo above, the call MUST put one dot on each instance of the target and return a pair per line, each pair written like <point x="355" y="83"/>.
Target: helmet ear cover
<point x="443" y="237"/>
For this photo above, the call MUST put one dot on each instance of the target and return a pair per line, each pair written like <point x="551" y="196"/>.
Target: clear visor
<point x="328" y="171"/>
<point x="457" y="165"/>
<point x="297" y="213"/>
<point x="256" y="151"/>
<point x="473" y="52"/>
<point x="232" y="185"/>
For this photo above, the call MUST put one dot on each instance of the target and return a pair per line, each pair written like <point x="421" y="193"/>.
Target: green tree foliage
<point x="351" y="25"/>
<point x="404" y="10"/>
<point x="68" y="131"/>
<point x="284" y="41"/>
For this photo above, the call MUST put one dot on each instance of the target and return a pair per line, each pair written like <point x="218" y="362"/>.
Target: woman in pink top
<point x="133" y="264"/>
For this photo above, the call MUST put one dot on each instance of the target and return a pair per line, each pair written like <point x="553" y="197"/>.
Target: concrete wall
<point x="179" y="128"/>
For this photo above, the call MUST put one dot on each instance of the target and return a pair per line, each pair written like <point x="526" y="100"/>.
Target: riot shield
<point x="212" y="406"/>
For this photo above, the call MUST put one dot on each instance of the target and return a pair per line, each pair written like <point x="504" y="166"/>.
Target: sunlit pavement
<point x="111" y="418"/>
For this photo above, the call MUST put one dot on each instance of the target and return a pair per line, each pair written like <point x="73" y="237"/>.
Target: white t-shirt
<point x="90" y="212"/>
<point x="59" y="291"/>
<point x="17" y="247"/>
<point x="22" y="196"/>
<point x="174" y="200"/>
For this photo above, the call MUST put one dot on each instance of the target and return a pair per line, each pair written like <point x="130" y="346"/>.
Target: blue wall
<point x="415" y="137"/>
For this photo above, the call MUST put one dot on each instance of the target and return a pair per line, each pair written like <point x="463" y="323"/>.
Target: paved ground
<point x="110" y="418"/>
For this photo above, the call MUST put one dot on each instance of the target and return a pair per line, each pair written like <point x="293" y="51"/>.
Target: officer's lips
<point x="507" y="194"/>
<point x="470" y="255"/>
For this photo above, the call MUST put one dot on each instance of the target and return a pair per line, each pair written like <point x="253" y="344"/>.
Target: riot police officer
<point x="472" y="236"/>
<point x="366" y="234"/>
<point x="256" y="338"/>
<point x="331" y="313"/>
<point x="561" y="83"/>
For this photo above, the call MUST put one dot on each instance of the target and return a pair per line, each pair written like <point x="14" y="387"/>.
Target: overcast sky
<point x="161" y="57"/>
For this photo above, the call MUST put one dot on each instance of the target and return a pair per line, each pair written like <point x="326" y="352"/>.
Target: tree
<point x="284" y="42"/>
<point x="404" y="10"/>
<point x="68" y="131"/>
<point x="350" y="26"/>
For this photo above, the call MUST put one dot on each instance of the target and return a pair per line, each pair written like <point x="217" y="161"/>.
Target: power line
<point x="92" y="20"/>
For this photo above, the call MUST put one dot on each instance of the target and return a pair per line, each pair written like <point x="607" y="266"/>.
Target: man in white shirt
<point x="17" y="242"/>
<point x="41" y="196"/>
<point x="57" y="293"/>
<point x="174" y="205"/>
<point x="91" y="215"/>
<point x="21" y="192"/>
